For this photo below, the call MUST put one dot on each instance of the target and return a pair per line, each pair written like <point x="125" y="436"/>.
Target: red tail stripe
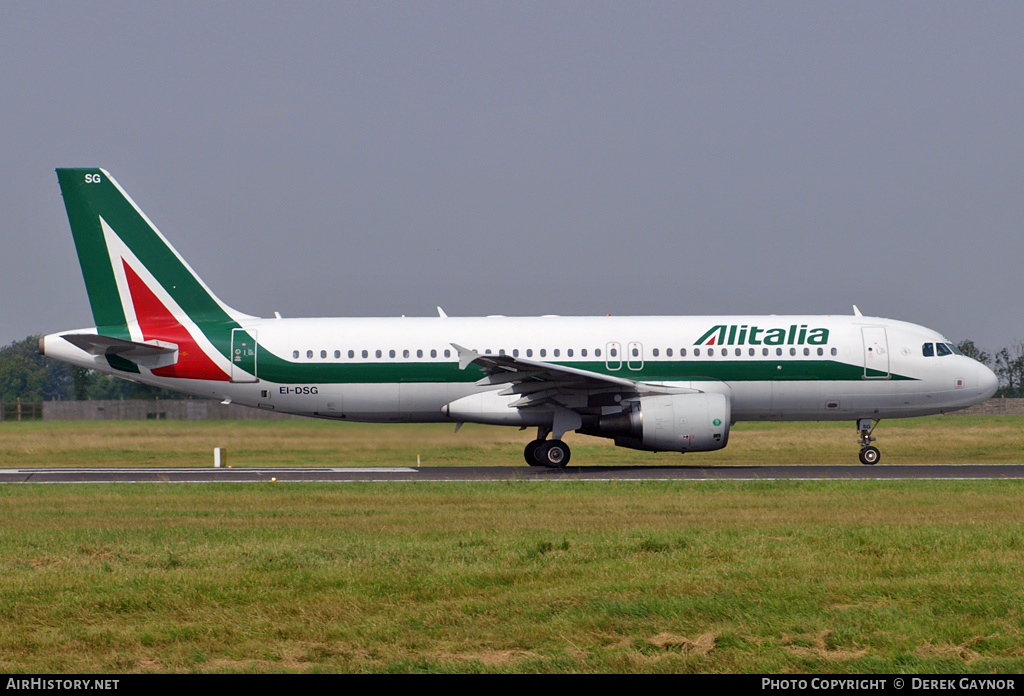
<point x="157" y="323"/>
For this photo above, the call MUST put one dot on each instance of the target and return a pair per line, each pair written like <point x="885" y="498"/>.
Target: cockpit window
<point x="942" y="349"/>
<point x="928" y="350"/>
<point x="956" y="351"/>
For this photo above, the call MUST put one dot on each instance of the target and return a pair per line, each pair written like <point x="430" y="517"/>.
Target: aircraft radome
<point x="654" y="383"/>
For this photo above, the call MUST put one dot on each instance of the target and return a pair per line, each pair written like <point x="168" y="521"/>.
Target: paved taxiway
<point x="492" y="473"/>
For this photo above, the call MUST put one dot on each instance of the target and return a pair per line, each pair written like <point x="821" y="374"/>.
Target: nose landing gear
<point x="869" y="454"/>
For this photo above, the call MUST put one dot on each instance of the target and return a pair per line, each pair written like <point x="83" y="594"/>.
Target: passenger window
<point x="447" y="353"/>
<point x="568" y="353"/>
<point x="764" y="351"/>
<point x="351" y="354"/>
<point x="543" y="352"/>
<point x="378" y="353"/>
<point x="323" y="354"/>
<point x="556" y="352"/>
<point x="366" y="354"/>
<point x="583" y="352"/>
<point x="405" y="353"/>
<point x="682" y="353"/>
<point x="668" y="352"/>
<point x="515" y="352"/>
<point x="597" y="352"/>
<point x="696" y="352"/>
<point x="654" y="352"/>
<point x="529" y="352"/>
<point x="419" y="352"/>
<point x="295" y="353"/>
<point x="928" y="350"/>
<point x="433" y="352"/>
<point x="821" y="351"/>
<point x="309" y="354"/>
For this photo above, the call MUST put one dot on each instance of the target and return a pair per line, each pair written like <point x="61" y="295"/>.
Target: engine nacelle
<point x="672" y="423"/>
<point x="492" y="408"/>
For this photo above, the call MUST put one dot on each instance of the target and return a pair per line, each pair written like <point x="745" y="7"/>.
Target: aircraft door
<point x="635" y="356"/>
<point x="243" y="355"/>
<point x="613" y="356"/>
<point x="876" y="352"/>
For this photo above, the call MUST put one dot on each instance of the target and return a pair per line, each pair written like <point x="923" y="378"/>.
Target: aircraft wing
<point x="150" y="355"/>
<point x="544" y="383"/>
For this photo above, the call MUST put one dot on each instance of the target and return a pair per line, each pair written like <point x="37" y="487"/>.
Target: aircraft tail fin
<point x="118" y="246"/>
<point x="140" y="288"/>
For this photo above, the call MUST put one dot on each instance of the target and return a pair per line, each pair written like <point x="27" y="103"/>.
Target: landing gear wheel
<point x="869" y="456"/>
<point x="553" y="454"/>
<point x="531" y="453"/>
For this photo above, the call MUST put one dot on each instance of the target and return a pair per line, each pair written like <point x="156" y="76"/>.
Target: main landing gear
<point x="869" y="454"/>
<point x="553" y="454"/>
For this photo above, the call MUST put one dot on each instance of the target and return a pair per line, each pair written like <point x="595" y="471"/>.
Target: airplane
<point x="656" y="383"/>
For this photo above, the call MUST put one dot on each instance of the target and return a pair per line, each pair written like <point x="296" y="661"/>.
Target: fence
<point x="18" y="411"/>
<point x="188" y="409"/>
<point x="135" y="409"/>
<point x="996" y="407"/>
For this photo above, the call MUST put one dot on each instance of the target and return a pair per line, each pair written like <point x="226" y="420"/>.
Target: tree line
<point x="1007" y="363"/>
<point x="28" y="376"/>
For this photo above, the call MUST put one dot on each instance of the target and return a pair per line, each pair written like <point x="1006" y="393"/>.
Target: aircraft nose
<point x="987" y="381"/>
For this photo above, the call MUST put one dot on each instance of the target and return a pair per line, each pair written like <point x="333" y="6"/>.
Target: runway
<point x="492" y="473"/>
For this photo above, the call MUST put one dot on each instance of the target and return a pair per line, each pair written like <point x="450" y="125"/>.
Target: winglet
<point x="856" y="312"/>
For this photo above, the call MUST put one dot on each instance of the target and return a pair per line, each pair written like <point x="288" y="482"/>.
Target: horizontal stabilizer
<point x="151" y="355"/>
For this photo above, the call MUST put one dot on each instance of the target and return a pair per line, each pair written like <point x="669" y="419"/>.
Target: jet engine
<point x="670" y="423"/>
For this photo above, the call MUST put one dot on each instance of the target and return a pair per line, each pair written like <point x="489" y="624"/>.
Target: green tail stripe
<point x="90" y="194"/>
<point x="93" y="255"/>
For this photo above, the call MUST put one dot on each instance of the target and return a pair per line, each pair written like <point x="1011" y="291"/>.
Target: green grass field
<point x="938" y="439"/>
<point x="776" y="577"/>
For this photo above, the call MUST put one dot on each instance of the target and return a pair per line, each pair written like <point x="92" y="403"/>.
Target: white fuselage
<point x="770" y="367"/>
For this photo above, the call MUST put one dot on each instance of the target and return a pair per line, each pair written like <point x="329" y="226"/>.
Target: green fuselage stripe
<point x="274" y="369"/>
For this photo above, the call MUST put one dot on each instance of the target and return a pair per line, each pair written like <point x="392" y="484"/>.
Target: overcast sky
<point x="382" y="158"/>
